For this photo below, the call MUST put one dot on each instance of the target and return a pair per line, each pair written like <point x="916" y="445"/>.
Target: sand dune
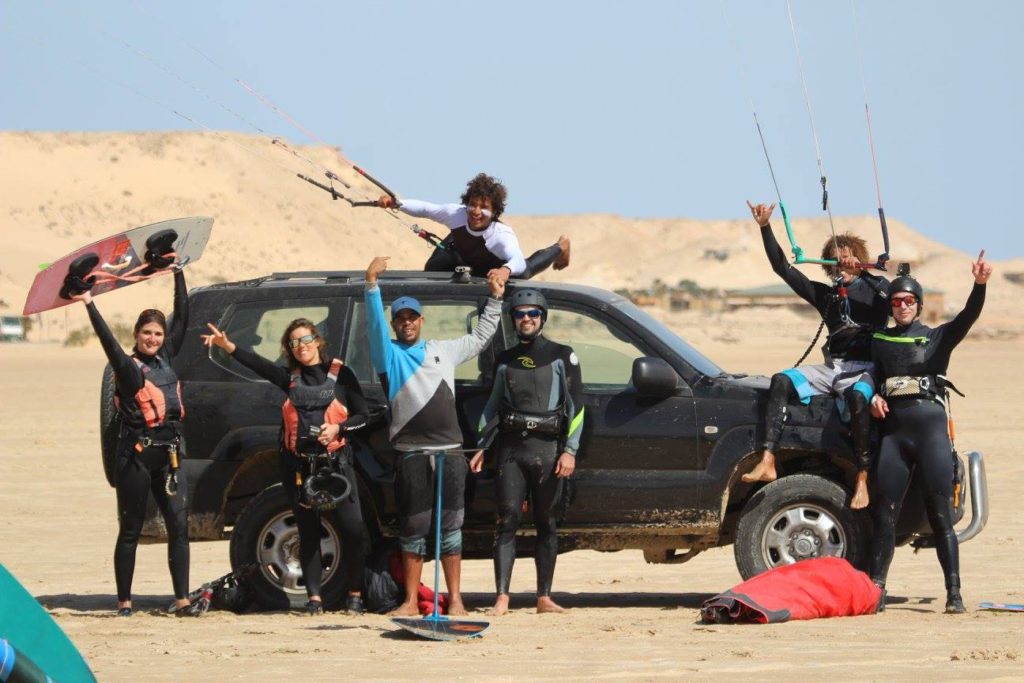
<point x="62" y="190"/>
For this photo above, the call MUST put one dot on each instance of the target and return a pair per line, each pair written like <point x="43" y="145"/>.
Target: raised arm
<point x="956" y="329"/>
<point x="179" y="320"/>
<point x="797" y="281"/>
<point x="470" y="345"/>
<point x="377" y="324"/>
<point x="450" y="215"/>
<point x="126" y="372"/>
<point x="277" y="375"/>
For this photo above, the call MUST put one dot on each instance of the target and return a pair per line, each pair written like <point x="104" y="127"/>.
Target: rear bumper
<point x="979" y="497"/>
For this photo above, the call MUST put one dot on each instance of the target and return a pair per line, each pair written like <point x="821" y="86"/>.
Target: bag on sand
<point x="822" y="587"/>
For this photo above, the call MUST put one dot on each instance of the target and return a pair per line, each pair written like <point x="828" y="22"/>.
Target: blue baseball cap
<point x="403" y="303"/>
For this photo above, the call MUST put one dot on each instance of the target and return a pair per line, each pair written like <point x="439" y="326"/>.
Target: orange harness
<point x="311" y="406"/>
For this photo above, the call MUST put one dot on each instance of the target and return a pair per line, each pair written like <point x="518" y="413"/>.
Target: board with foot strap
<point x="120" y="260"/>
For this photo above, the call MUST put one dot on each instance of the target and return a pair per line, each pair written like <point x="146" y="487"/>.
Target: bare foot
<point x="860" y="497"/>
<point x="562" y="260"/>
<point x="406" y="609"/>
<point x="765" y="471"/>
<point x="456" y="608"/>
<point x="545" y="605"/>
<point x="500" y="606"/>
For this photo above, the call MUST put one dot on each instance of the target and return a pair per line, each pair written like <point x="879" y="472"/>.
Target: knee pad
<point x="413" y="546"/>
<point x="451" y="542"/>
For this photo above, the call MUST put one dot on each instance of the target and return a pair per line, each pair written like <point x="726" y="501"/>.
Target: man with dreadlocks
<point x="852" y="309"/>
<point x="477" y="238"/>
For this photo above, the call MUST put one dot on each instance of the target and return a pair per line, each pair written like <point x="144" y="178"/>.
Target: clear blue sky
<point x="635" y="108"/>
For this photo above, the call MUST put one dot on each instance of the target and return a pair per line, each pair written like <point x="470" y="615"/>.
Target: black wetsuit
<point x="348" y="513"/>
<point x="915" y="435"/>
<point x="850" y="322"/>
<point x="533" y="382"/>
<point x="462" y="249"/>
<point x="139" y="472"/>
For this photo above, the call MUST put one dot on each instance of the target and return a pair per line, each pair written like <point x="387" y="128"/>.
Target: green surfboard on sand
<point x="36" y="637"/>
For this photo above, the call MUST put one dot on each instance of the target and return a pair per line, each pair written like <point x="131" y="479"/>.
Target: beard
<point x="529" y="336"/>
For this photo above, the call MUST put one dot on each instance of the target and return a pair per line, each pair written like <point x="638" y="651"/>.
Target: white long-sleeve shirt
<point x="499" y="239"/>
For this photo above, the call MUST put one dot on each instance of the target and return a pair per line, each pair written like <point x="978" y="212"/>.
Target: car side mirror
<point x="654" y="377"/>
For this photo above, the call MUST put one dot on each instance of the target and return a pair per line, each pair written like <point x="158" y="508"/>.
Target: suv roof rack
<point x="347" y="276"/>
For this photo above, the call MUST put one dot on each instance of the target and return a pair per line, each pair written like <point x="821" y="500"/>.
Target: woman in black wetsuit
<point x="909" y="356"/>
<point x="148" y="399"/>
<point x="323" y="395"/>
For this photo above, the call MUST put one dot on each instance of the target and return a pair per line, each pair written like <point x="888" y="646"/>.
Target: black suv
<point x="666" y="435"/>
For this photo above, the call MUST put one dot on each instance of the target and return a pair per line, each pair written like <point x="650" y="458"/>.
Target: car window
<point x="443" y="319"/>
<point x="258" y="326"/>
<point x="606" y="354"/>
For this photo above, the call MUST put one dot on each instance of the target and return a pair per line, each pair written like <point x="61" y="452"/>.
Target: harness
<point x="318" y="474"/>
<point x="309" y="407"/>
<point x="166" y="436"/>
<point x="531" y="424"/>
<point x="159" y="399"/>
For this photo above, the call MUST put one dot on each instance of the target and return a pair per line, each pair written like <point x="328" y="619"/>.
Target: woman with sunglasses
<point x="324" y="401"/>
<point x="910" y="363"/>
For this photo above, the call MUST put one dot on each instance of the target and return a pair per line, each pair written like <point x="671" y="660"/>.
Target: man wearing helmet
<point x="478" y="239"/>
<point x="532" y="423"/>
<point x="910" y="365"/>
<point x="852" y="309"/>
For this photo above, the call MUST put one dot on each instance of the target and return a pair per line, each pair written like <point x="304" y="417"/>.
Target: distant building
<point x="779" y="295"/>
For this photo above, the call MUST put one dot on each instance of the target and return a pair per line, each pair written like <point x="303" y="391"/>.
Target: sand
<point x="627" y="621"/>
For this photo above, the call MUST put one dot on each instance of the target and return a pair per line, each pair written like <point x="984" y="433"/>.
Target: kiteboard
<point x="120" y="260"/>
<point x="34" y="641"/>
<point x="436" y="626"/>
<point x="1002" y="606"/>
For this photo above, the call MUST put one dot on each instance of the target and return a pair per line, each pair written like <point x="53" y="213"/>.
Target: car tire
<point x="265" y="534"/>
<point x="110" y="424"/>
<point x="797" y="518"/>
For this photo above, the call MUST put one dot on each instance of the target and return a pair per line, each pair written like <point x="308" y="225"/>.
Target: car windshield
<point x="695" y="358"/>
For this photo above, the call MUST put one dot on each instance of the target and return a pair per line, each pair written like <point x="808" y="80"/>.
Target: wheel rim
<point x="278" y="552"/>
<point x="802" y="532"/>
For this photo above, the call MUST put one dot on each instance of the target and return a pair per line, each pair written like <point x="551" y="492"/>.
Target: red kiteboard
<point x="120" y="261"/>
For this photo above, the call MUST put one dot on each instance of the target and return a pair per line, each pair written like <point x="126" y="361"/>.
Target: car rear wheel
<point x="796" y="518"/>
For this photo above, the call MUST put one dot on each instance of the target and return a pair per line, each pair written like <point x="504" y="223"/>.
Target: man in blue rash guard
<point x="419" y="379"/>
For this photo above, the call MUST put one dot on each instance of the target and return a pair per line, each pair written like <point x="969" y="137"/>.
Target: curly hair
<point x="857" y="246"/>
<point x="487" y="187"/>
<point x="321" y="343"/>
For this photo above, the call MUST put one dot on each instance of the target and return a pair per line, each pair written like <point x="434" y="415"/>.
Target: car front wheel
<point x="266" y="534"/>
<point x="796" y="518"/>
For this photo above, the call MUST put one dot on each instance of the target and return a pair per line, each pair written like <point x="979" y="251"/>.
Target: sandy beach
<point x="627" y="620"/>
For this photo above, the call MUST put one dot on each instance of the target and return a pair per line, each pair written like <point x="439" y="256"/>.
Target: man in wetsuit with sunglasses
<point x="419" y="380"/>
<point x="532" y="422"/>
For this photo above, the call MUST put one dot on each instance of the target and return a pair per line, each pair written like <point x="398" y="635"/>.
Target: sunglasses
<point x="529" y="313"/>
<point x="907" y="301"/>
<point x="305" y="340"/>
